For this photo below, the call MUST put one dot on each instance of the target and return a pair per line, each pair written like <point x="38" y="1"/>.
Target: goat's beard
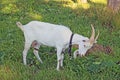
<point x="76" y="53"/>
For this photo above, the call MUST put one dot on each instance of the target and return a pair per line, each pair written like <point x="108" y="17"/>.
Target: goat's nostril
<point x="84" y="45"/>
<point x="77" y="54"/>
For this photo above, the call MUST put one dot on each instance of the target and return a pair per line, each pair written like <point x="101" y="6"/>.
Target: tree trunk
<point x="78" y="1"/>
<point x="114" y="5"/>
<point x="84" y="1"/>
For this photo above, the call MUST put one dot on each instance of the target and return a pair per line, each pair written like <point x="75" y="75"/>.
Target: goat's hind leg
<point x="36" y="46"/>
<point x="25" y="51"/>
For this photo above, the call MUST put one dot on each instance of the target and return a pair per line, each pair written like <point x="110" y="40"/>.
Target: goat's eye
<point x="84" y="40"/>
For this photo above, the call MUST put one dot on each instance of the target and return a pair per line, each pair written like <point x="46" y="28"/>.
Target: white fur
<point x="57" y="36"/>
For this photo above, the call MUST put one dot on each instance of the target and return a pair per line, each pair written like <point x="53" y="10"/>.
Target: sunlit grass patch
<point x="85" y="6"/>
<point x="99" y="1"/>
<point x="74" y="5"/>
<point x="35" y="16"/>
<point x="9" y="8"/>
<point x="7" y="1"/>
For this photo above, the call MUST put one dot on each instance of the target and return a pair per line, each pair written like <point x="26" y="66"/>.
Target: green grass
<point x="77" y="16"/>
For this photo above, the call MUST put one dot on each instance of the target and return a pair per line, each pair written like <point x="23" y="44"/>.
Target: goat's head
<point x="86" y="44"/>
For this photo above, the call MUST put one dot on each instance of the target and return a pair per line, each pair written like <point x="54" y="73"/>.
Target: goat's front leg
<point x="62" y="58"/>
<point x="26" y="48"/>
<point x="59" y="58"/>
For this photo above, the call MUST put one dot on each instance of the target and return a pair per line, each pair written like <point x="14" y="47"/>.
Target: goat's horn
<point x="97" y="36"/>
<point x="92" y="35"/>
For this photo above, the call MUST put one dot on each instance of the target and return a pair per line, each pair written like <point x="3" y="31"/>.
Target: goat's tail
<point x="19" y="24"/>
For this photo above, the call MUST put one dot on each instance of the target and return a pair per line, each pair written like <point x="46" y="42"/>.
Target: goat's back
<point x="46" y="33"/>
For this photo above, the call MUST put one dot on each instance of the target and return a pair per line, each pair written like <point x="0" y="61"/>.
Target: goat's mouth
<point x="77" y="54"/>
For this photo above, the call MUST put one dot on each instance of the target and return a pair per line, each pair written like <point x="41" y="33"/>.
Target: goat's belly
<point x="48" y="41"/>
<point x="52" y="38"/>
<point x="51" y="44"/>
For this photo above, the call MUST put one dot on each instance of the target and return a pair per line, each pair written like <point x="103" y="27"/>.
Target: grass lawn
<point x="77" y="16"/>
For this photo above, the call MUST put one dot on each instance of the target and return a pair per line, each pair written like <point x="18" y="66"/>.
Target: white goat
<point x="37" y="33"/>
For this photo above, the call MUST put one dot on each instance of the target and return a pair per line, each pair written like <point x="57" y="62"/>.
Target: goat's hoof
<point x="61" y="68"/>
<point x="58" y="69"/>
